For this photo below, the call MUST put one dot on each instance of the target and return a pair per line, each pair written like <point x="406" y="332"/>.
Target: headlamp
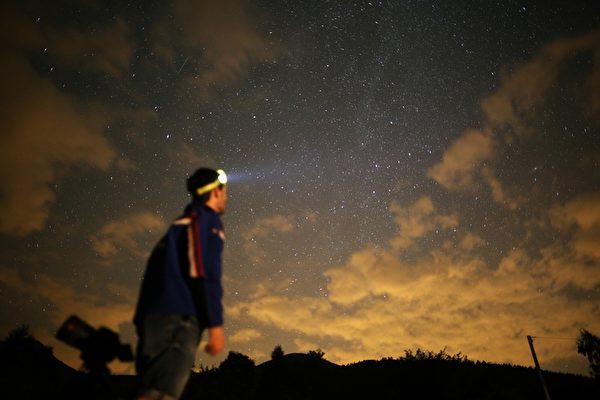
<point x="221" y="180"/>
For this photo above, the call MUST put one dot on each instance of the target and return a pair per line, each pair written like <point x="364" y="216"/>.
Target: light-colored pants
<point x="165" y="354"/>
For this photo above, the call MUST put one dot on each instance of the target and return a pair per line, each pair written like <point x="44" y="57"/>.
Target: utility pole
<point x="537" y="367"/>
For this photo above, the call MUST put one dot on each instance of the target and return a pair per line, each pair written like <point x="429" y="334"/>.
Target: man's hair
<point x="200" y="178"/>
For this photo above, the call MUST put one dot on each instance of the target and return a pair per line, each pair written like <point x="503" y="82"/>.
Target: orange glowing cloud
<point x="462" y="160"/>
<point x="245" y="335"/>
<point x="125" y="234"/>
<point x="379" y="305"/>
<point x="65" y="301"/>
<point x="499" y="192"/>
<point x="584" y="213"/>
<point x="45" y="131"/>
<point x="417" y="220"/>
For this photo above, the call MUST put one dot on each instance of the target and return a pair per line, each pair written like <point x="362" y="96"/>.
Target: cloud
<point x="112" y="310"/>
<point x="245" y="336"/>
<point x="378" y="305"/>
<point x="477" y="312"/>
<point x="498" y="190"/>
<point x="584" y="213"/>
<point x="125" y="234"/>
<point x="305" y="345"/>
<point x="435" y="284"/>
<point x="367" y="273"/>
<point x="462" y="160"/>
<point x="470" y="241"/>
<point x="511" y="112"/>
<point x="530" y="84"/>
<point x="451" y="297"/>
<point x="189" y="157"/>
<point x="261" y="231"/>
<point x="46" y="132"/>
<point x="417" y="220"/>
<point x="107" y="48"/>
<point x="221" y="36"/>
<point x="592" y="95"/>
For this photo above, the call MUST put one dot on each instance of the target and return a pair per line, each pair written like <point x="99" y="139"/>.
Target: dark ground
<point x="28" y="370"/>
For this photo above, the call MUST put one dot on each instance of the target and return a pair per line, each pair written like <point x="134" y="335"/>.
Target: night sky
<point x="403" y="174"/>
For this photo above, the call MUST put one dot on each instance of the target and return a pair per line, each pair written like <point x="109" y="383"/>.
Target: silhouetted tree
<point x="237" y="362"/>
<point x="21" y="337"/>
<point x="28" y="370"/>
<point x="238" y="376"/>
<point x="589" y="345"/>
<point x="19" y="334"/>
<point x="430" y="355"/>
<point x="277" y="352"/>
<point x="318" y="353"/>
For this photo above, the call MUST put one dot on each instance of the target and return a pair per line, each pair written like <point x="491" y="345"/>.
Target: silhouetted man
<point x="181" y="291"/>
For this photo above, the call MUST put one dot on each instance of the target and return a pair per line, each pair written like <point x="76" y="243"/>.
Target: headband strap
<point x="221" y="180"/>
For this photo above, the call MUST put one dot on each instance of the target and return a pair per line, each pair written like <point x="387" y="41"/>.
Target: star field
<point x="402" y="175"/>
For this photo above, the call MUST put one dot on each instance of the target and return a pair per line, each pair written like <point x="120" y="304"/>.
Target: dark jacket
<point x="183" y="274"/>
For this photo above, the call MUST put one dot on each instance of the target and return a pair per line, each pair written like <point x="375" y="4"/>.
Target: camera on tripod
<point x="98" y="346"/>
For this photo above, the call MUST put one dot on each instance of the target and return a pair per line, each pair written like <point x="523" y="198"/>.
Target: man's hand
<point x="216" y="340"/>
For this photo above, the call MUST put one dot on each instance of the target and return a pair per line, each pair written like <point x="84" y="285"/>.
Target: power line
<point x="554" y="337"/>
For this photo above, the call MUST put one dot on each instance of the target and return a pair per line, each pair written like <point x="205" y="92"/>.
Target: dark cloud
<point x="45" y="130"/>
<point x="219" y="37"/>
<point x="106" y="49"/>
<point x="44" y="134"/>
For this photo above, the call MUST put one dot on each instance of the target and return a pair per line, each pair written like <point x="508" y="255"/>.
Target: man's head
<point x="208" y="186"/>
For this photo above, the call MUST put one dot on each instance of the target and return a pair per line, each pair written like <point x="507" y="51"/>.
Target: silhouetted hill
<point x="30" y="371"/>
<point x="452" y="379"/>
<point x="301" y="376"/>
